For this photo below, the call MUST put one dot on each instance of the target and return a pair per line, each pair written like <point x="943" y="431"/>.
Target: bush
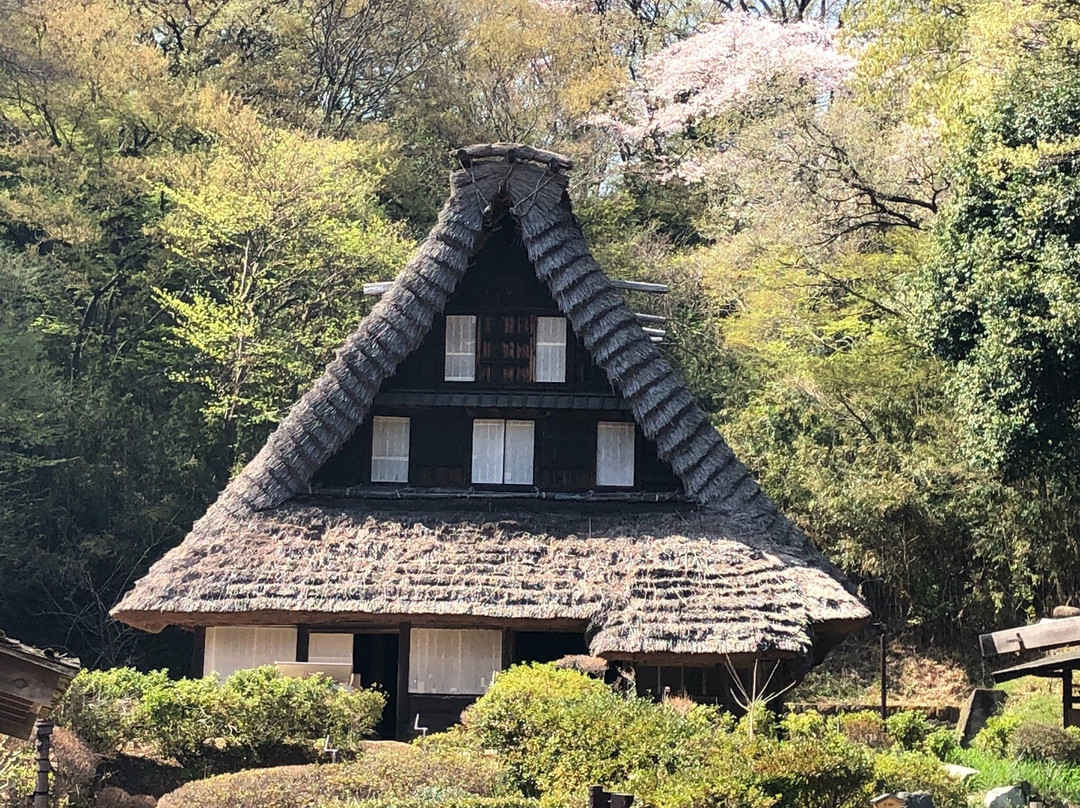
<point x="16" y="772"/>
<point x="865" y="727"/>
<point x="102" y="707"/>
<point x="1039" y="741"/>
<point x="392" y="771"/>
<point x="454" y="802"/>
<point x="560" y="731"/>
<point x="829" y="772"/>
<point x="252" y="716"/>
<point x="940" y="743"/>
<point x="916" y="771"/>
<point x="994" y="738"/>
<point x="908" y="728"/>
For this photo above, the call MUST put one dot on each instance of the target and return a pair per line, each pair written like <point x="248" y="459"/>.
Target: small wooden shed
<point x="31" y="680"/>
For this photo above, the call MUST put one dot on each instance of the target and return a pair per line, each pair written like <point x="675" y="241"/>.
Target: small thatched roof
<point x="744" y="579"/>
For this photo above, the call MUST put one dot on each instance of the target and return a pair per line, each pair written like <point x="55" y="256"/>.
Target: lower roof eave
<point x="155" y="622"/>
<point x="738" y="659"/>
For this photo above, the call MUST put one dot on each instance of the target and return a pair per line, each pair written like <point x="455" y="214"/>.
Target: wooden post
<point x="404" y="632"/>
<point x="884" y="674"/>
<point x="1066" y="697"/>
<point x="42" y="731"/>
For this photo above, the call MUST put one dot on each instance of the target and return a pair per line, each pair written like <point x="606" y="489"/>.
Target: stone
<point x="917" y="799"/>
<point x="961" y="773"/>
<point x="981" y="704"/>
<point x="1005" y="797"/>
<point x="1065" y="611"/>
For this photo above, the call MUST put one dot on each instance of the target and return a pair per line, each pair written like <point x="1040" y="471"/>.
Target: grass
<point x="1056" y="781"/>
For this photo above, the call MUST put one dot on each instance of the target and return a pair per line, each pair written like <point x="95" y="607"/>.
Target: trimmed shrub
<point x="829" y="772"/>
<point x="252" y="717"/>
<point x="392" y="771"/>
<point x="1039" y="741"/>
<point x="452" y="802"/>
<point x="909" y="728"/>
<point x="865" y="727"/>
<point x="940" y="743"/>
<point x="994" y="738"/>
<point x="916" y="771"/>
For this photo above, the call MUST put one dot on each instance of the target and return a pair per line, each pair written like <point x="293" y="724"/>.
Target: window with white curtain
<point x="453" y="662"/>
<point x="502" y="452"/>
<point x="232" y="648"/>
<point x="551" y="349"/>
<point x="323" y="647"/>
<point x="615" y="453"/>
<point x="460" y="363"/>
<point x="389" y="449"/>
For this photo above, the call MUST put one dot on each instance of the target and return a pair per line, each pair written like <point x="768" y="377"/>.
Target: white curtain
<point x="518" y="455"/>
<point x="487" y="451"/>
<point x="389" y="450"/>
<point x="453" y="662"/>
<point x="615" y="453"/>
<point x="460" y="362"/>
<point x="551" y="349"/>
<point x="232" y="648"/>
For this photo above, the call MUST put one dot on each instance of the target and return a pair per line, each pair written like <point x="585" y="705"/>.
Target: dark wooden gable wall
<point x="501" y="289"/>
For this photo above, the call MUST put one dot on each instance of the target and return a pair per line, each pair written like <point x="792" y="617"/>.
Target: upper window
<point x="615" y="454"/>
<point x="389" y="450"/>
<point x="551" y="349"/>
<point x="460" y="365"/>
<point x="502" y="452"/>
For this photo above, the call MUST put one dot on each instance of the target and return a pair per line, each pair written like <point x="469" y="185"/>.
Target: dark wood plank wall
<point x="440" y="451"/>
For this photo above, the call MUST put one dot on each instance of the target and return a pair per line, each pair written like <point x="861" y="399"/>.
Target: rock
<point x="917" y="799"/>
<point x="1065" y="611"/>
<point x="961" y="773"/>
<point x="1005" y="797"/>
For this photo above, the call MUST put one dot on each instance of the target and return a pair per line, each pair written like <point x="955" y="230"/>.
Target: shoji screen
<point x="389" y="450"/>
<point x="452" y="662"/>
<point x="487" y="451"/>
<point x="460" y="364"/>
<point x="615" y="453"/>
<point x="518" y="453"/>
<point x="330" y="648"/>
<point x="232" y="648"/>
<point x="551" y="349"/>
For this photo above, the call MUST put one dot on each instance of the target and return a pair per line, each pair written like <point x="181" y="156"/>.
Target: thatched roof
<point x="784" y="581"/>
<point x="669" y="579"/>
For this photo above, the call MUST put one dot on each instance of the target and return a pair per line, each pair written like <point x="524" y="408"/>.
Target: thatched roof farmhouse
<point x="498" y="465"/>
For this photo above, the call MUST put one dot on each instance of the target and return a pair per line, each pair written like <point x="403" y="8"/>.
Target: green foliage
<point x="1050" y="742"/>
<point x="909" y="728"/>
<point x="995" y="737"/>
<point x="1054" y="781"/>
<point x="394" y="772"/>
<point x="916" y="771"/>
<point x="830" y="772"/>
<point x="16" y="772"/>
<point x="253" y="715"/>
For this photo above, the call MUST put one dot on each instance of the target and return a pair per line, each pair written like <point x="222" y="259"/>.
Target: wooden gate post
<point x="43" y="732"/>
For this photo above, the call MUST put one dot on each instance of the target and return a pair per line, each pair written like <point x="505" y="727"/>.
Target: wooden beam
<point x="1045" y="634"/>
<point x="650" y="318"/>
<point x="1066" y="698"/>
<point x="402" y="719"/>
<point x="641" y="286"/>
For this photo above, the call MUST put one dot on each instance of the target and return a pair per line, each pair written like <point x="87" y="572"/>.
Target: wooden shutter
<point x="389" y="449"/>
<point x="551" y="349"/>
<point x="614" y="454"/>
<point x="460" y="364"/>
<point x="518" y="453"/>
<point x="487" y="451"/>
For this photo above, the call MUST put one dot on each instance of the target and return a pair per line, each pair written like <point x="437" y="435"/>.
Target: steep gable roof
<point x="320" y="422"/>
<point x="745" y="530"/>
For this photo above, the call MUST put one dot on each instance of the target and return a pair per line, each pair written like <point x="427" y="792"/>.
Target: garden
<point x="538" y="739"/>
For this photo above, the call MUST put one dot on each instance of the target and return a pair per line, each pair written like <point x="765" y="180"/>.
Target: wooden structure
<point x="498" y="466"/>
<point x="30" y="682"/>
<point x="1044" y="635"/>
<point x="599" y="798"/>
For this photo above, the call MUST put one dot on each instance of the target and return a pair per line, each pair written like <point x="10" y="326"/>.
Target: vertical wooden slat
<point x="507" y="648"/>
<point x="1066" y="697"/>
<point x="404" y="638"/>
<point x="198" y="651"/>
